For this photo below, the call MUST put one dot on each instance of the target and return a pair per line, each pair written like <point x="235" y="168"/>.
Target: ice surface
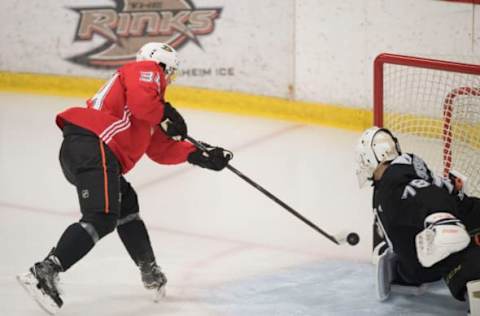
<point x="226" y="248"/>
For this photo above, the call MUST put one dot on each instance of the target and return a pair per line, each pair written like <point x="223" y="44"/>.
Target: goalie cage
<point x="433" y="107"/>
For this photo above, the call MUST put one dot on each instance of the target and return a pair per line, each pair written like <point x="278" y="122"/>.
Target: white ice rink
<point x="225" y="247"/>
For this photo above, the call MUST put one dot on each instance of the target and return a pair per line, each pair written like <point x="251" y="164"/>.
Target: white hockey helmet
<point x="376" y="145"/>
<point x="161" y="53"/>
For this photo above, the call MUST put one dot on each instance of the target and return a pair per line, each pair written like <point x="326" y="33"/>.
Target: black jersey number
<point x="410" y="189"/>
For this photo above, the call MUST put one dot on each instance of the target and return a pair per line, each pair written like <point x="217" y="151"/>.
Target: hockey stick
<point x="351" y="238"/>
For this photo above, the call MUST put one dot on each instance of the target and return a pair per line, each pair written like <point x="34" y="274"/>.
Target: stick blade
<point x="341" y="237"/>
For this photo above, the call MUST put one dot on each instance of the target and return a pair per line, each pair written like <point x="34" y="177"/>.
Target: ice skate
<point x="41" y="282"/>
<point x="153" y="279"/>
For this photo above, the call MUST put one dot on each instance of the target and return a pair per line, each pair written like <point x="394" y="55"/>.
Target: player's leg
<point x="469" y="210"/>
<point x="95" y="171"/>
<point x="90" y="165"/>
<point x="463" y="267"/>
<point x="135" y="237"/>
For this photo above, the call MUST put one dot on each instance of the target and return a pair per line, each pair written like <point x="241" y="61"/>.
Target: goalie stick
<point x="351" y="238"/>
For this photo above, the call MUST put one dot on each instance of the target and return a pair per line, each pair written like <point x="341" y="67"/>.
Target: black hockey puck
<point x="353" y="239"/>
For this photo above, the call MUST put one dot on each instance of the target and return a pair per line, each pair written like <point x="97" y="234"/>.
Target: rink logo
<point x="132" y="23"/>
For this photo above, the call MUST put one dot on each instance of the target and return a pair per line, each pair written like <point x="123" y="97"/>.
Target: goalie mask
<point x="161" y="53"/>
<point x="376" y="145"/>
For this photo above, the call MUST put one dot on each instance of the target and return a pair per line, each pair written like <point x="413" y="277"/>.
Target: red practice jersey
<point x="125" y="114"/>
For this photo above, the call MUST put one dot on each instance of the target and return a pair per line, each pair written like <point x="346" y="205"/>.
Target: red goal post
<point x="433" y="106"/>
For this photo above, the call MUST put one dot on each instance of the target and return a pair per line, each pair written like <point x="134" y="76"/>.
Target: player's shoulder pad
<point x="417" y="168"/>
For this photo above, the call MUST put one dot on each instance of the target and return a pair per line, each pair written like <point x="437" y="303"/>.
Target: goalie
<point x="430" y="227"/>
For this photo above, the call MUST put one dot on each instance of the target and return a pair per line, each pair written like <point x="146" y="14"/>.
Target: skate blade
<point x="159" y="294"/>
<point x="29" y="283"/>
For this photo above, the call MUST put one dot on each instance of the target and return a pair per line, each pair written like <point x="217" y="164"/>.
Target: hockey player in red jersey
<point x="430" y="227"/>
<point x="127" y="118"/>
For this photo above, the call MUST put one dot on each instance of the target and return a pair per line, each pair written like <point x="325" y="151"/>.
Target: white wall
<point x="338" y="40"/>
<point x="322" y="48"/>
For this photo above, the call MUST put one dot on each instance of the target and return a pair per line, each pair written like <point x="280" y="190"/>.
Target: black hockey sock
<point x="135" y="238"/>
<point x="75" y="243"/>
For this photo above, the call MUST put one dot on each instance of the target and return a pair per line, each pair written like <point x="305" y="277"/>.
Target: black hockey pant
<point x="107" y="200"/>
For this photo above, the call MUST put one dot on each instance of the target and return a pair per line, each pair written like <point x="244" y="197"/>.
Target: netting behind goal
<point x="433" y="107"/>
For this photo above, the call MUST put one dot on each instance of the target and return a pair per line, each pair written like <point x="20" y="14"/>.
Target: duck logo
<point x="132" y="23"/>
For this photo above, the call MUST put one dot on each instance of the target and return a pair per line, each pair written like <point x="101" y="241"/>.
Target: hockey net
<point x="433" y="107"/>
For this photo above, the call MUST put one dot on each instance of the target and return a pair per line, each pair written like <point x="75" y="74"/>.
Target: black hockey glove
<point x="214" y="158"/>
<point x="173" y="123"/>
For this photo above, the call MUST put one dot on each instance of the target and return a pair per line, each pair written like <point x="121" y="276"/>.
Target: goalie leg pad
<point x="386" y="267"/>
<point x="388" y="279"/>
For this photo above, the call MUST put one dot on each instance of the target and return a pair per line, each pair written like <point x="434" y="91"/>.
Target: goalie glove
<point x="443" y="235"/>
<point x="173" y="123"/>
<point x="214" y="158"/>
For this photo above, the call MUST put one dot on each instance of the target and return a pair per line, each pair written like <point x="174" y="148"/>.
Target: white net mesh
<point x="435" y="114"/>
